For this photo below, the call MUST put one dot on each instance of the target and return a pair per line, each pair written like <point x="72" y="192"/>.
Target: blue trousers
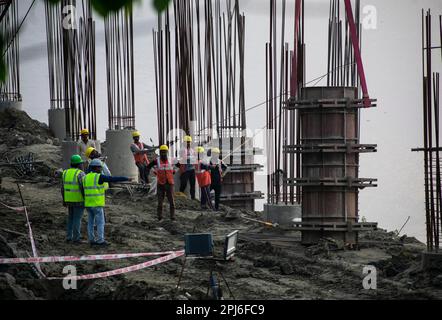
<point x="75" y="213"/>
<point x="95" y="217"/>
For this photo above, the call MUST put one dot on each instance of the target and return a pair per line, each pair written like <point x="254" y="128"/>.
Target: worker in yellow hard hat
<point x="84" y="143"/>
<point x="187" y="166"/>
<point x="91" y="154"/>
<point x="140" y="151"/>
<point x="164" y="170"/>
<point x="217" y="167"/>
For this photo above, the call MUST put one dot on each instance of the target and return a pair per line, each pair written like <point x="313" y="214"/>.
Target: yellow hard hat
<point x="200" y="149"/>
<point x="164" y="148"/>
<point x="215" y="150"/>
<point x="89" y="151"/>
<point x="187" y="139"/>
<point x="84" y="131"/>
<point x="136" y="134"/>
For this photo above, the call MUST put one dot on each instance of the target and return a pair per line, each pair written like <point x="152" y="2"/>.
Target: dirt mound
<point x="18" y="129"/>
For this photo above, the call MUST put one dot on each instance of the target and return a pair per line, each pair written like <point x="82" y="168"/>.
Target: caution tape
<point x="18" y="209"/>
<point x="54" y="259"/>
<point x="133" y="268"/>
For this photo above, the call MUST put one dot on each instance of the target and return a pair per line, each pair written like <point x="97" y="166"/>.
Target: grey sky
<point x="392" y="59"/>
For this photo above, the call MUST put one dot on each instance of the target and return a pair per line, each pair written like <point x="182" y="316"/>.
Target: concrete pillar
<point x="119" y="157"/>
<point x="282" y="214"/>
<point x="57" y="123"/>
<point x="68" y="149"/>
<point x="17" y="105"/>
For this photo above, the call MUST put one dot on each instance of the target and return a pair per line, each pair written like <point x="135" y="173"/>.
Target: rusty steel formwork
<point x="329" y="149"/>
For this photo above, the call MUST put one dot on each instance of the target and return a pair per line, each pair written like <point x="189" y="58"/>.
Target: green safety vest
<point x="94" y="193"/>
<point x="72" y="192"/>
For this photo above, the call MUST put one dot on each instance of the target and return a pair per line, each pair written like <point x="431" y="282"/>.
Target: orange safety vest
<point x="140" y="157"/>
<point x="164" y="172"/>
<point x="203" y="176"/>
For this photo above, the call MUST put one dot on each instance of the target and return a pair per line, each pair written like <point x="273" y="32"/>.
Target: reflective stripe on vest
<point x="140" y="157"/>
<point x="94" y="193"/>
<point x="72" y="192"/>
<point x="164" y="172"/>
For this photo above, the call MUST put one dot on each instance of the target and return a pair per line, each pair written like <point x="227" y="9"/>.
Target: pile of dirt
<point x="21" y="138"/>
<point x="17" y="129"/>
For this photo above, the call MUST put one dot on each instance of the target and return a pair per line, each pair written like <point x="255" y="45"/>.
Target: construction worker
<point x="216" y="173"/>
<point x="202" y="172"/>
<point x="140" y="151"/>
<point x="84" y="143"/>
<point x="164" y="170"/>
<point x="91" y="154"/>
<point x="187" y="167"/>
<point x="73" y="198"/>
<point x="94" y="185"/>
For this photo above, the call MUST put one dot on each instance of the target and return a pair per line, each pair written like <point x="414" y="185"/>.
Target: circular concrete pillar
<point x="68" y="149"/>
<point x="119" y="157"/>
<point x="57" y="123"/>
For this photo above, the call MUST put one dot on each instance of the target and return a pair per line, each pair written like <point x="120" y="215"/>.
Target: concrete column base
<point x="57" y="123"/>
<point x="17" y="105"/>
<point x="432" y="261"/>
<point x="119" y="157"/>
<point x="282" y="214"/>
<point x="68" y="149"/>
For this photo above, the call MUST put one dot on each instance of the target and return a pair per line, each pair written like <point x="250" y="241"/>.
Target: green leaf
<point x="3" y="71"/>
<point x="160" y="5"/>
<point x="104" y="7"/>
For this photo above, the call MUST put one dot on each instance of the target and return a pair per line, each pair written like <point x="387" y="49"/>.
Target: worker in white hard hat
<point x="187" y="166"/>
<point x="84" y="143"/>
<point x="217" y="167"/>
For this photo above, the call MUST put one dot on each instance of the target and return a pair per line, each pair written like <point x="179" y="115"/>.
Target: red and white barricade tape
<point x="18" y="209"/>
<point x="117" y="256"/>
<point x="133" y="268"/>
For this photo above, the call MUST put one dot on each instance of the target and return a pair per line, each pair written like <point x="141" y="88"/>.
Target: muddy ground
<point x="270" y="262"/>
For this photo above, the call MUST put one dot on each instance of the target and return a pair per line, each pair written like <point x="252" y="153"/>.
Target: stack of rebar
<point x="342" y="70"/>
<point x="431" y="132"/>
<point x="10" y="89"/>
<point x="285" y="76"/>
<point x="202" y="92"/>
<point x="206" y="80"/>
<point x="71" y="63"/>
<point x="118" y="28"/>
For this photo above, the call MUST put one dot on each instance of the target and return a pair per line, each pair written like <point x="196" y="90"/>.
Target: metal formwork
<point x="329" y="152"/>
